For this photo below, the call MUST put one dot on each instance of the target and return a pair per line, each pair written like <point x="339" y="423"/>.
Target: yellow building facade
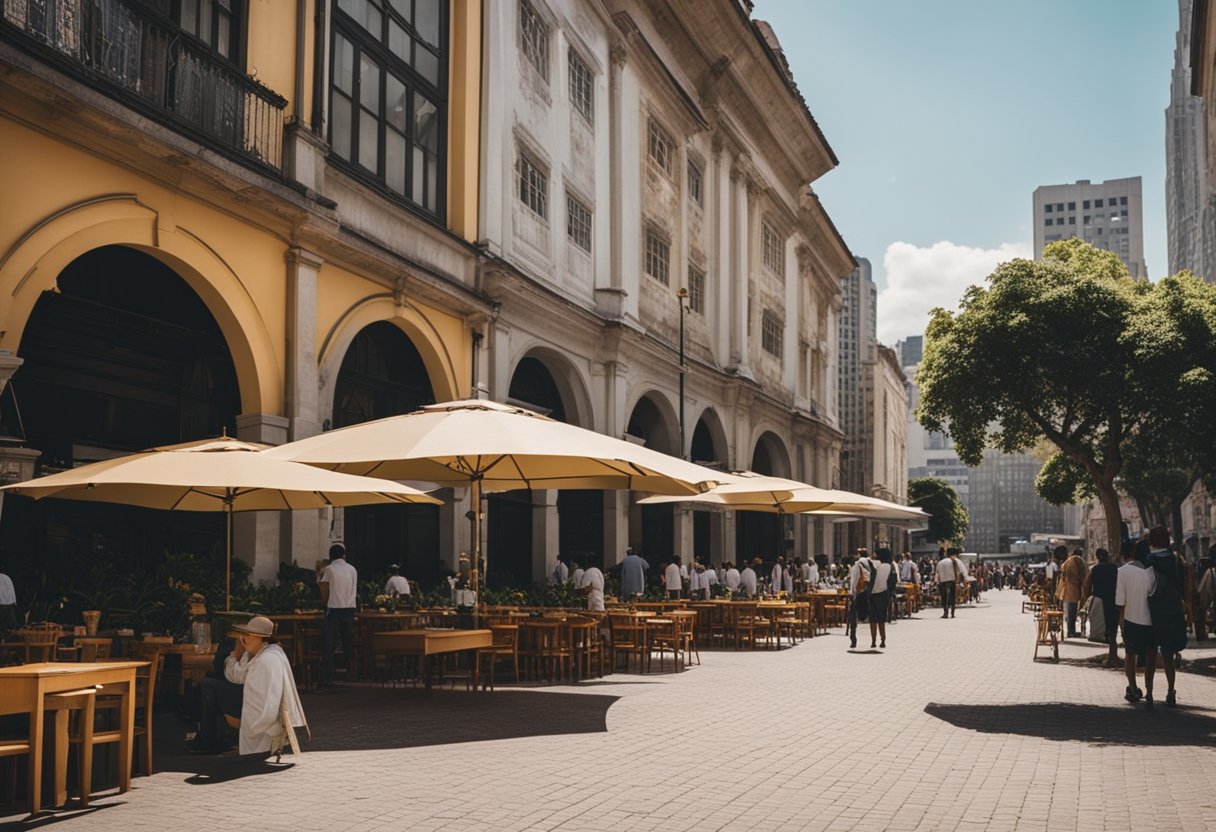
<point x="248" y="216"/>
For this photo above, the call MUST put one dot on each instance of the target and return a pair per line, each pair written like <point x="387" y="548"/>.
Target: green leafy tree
<point x="947" y="517"/>
<point x="1069" y="349"/>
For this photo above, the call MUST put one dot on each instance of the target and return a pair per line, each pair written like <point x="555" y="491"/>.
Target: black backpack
<point x="1167" y="597"/>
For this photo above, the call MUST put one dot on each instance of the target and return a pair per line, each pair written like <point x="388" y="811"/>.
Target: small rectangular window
<point x="1047" y="209"/>
<point x="1086" y="204"/>
<point x="1072" y="220"/>
<point x="771" y="331"/>
<point x="661" y="147"/>
<point x="578" y="223"/>
<point x="581" y="89"/>
<point x="534" y="39"/>
<point x="1097" y="203"/>
<point x="1059" y="206"/>
<point x="695" y="184"/>
<point x="658" y="254"/>
<point x="774" y="255"/>
<point x="696" y="290"/>
<point x="1072" y="206"/>
<point x="533" y="186"/>
<point x="1122" y="200"/>
<point x="1048" y="221"/>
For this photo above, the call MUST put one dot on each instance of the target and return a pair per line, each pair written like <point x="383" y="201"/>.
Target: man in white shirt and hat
<point x="271" y="704"/>
<point x="731" y="578"/>
<point x="396" y="583"/>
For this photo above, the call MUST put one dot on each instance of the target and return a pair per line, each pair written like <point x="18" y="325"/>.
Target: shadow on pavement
<point x="358" y="718"/>
<point x="1094" y="724"/>
<point x="19" y="819"/>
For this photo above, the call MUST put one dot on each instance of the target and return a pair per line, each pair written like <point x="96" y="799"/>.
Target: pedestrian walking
<point x="860" y="578"/>
<point x="1133" y="585"/>
<point x="1166" y="608"/>
<point x="1099" y="587"/>
<point x="948" y="579"/>
<point x="882" y="590"/>
<point x="1070" y="589"/>
<point x="339" y="590"/>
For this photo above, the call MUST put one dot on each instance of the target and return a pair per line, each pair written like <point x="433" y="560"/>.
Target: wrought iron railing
<point x="144" y="58"/>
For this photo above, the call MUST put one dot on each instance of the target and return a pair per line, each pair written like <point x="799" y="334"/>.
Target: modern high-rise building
<point x="1184" y="168"/>
<point x="1108" y="215"/>
<point x="857" y="348"/>
<point x="911" y="350"/>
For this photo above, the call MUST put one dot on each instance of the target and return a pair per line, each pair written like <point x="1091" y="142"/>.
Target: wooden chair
<point x="546" y="649"/>
<point x="62" y="705"/>
<point x="686" y="627"/>
<point x="15" y="748"/>
<point x="94" y="649"/>
<point x="741" y="621"/>
<point x="626" y="637"/>
<point x="785" y="624"/>
<point x="505" y="644"/>
<point x="108" y="701"/>
<point x="41" y="641"/>
<point x="663" y="634"/>
<point x="587" y="648"/>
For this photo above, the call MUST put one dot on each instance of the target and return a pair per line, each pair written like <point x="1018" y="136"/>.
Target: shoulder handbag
<point x="863" y="578"/>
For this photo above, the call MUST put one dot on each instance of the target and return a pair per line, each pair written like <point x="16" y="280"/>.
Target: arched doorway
<point x="123" y="356"/>
<point x="708" y="448"/>
<point x="510" y="515"/>
<point x="648" y="423"/>
<point x="383" y="375"/>
<point x="758" y="534"/>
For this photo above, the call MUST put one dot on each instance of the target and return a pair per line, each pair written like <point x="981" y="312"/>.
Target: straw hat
<point x="259" y="625"/>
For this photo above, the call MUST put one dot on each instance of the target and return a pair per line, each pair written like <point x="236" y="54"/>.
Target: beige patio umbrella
<point x="490" y="446"/>
<point x="747" y="491"/>
<point x="221" y="474"/>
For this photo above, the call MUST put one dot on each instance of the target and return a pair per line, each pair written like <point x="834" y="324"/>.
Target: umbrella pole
<point x="228" y="557"/>
<point x="475" y="493"/>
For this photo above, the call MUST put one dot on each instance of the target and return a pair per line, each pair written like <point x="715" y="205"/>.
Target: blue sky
<point x="947" y="114"/>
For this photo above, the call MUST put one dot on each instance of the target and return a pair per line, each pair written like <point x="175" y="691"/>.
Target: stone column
<point x="545" y="539"/>
<point x="616" y="526"/>
<point x="681" y="533"/>
<point x="256" y="535"/>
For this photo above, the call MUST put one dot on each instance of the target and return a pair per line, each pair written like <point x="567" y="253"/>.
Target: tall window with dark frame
<point x="534" y="39"/>
<point x="578" y="223"/>
<point x="532" y="185"/>
<point x="696" y="290"/>
<point x="216" y="23"/>
<point x="771" y="332"/>
<point x="774" y="256"/>
<point x="388" y="100"/>
<point x="658" y="257"/>
<point x="582" y="95"/>
<point x="661" y="148"/>
<point x="695" y="184"/>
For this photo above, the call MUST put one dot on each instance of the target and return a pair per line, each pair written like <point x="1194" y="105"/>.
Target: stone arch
<point x="709" y="433"/>
<point x="770" y="456"/>
<point x="572" y="385"/>
<point x="653" y="418"/>
<point x="33" y="264"/>
<point x="421" y="331"/>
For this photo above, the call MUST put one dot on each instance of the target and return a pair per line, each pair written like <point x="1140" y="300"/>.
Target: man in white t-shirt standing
<point x="859" y="594"/>
<point x="948" y="580"/>
<point x="1133" y="584"/>
<point x="673" y="582"/>
<point x="747" y="581"/>
<point x="731" y="577"/>
<point x="591" y="584"/>
<point x="339" y="587"/>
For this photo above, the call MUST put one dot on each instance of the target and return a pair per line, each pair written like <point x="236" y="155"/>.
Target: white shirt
<point x="882" y="574"/>
<point x="787" y="581"/>
<point x="694" y="581"/>
<point x="561" y="573"/>
<point x="777" y="576"/>
<point x="397" y="584"/>
<point x="947" y="572"/>
<point x="269" y="689"/>
<point x="747" y="580"/>
<point x="1052" y="569"/>
<point x="711" y="577"/>
<point x="811" y="572"/>
<point x="343" y="580"/>
<point x="576" y="577"/>
<point x="907" y="571"/>
<point x="593" y="578"/>
<point x="671" y="578"/>
<point x="684" y="571"/>
<point x="8" y="595"/>
<point x="732" y="579"/>
<point x="855" y="573"/>
<point x="1133" y="584"/>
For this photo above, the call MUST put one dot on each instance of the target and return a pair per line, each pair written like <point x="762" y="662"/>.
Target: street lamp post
<point x="682" y="295"/>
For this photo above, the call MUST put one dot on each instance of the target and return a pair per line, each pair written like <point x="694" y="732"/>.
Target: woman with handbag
<point x="882" y="590"/>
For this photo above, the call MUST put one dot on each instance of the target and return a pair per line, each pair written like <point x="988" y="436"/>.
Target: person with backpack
<point x="860" y="575"/>
<point x="883" y="579"/>
<point x="1166" y="607"/>
<point x="948" y="578"/>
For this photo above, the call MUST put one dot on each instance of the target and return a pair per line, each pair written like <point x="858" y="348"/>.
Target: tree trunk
<point x="1176" y="523"/>
<point x="1114" y="517"/>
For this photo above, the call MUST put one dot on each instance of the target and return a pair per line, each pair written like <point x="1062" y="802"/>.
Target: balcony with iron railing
<point x="144" y="61"/>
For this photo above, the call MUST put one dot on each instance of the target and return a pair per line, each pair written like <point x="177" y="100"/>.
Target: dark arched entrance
<point x="646" y="422"/>
<point x="383" y="375"/>
<point x="706" y="451"/>
<point x="123" y="356"/>
<point x="758" y="534"/>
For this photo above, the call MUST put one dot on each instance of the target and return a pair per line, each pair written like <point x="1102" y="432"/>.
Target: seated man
<point x="270" y="689"/>
<point x="216" y="697"/>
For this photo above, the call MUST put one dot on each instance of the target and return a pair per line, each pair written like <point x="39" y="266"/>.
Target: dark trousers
<point x="1111" y="613"/>
<point x="1070" y="615"/>
<point x="338" y="622"/>
<point x="217" y="698"/>
<point x="860" y="599"/>
<point x="946" y="589"/>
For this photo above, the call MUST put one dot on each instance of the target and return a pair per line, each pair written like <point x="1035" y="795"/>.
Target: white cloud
<point x="919" y="279"/>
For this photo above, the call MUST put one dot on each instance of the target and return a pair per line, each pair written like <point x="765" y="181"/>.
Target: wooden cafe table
<point x="427" y="643"/>
<point x="23" y="689"/>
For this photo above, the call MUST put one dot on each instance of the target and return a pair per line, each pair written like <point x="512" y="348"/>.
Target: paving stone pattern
<point x="952" y="727"/>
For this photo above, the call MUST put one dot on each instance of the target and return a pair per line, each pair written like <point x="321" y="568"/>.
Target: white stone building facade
<point x="631" y="152"/>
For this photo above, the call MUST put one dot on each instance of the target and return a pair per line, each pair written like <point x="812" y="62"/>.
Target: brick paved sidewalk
<point x="952" y="727"/>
